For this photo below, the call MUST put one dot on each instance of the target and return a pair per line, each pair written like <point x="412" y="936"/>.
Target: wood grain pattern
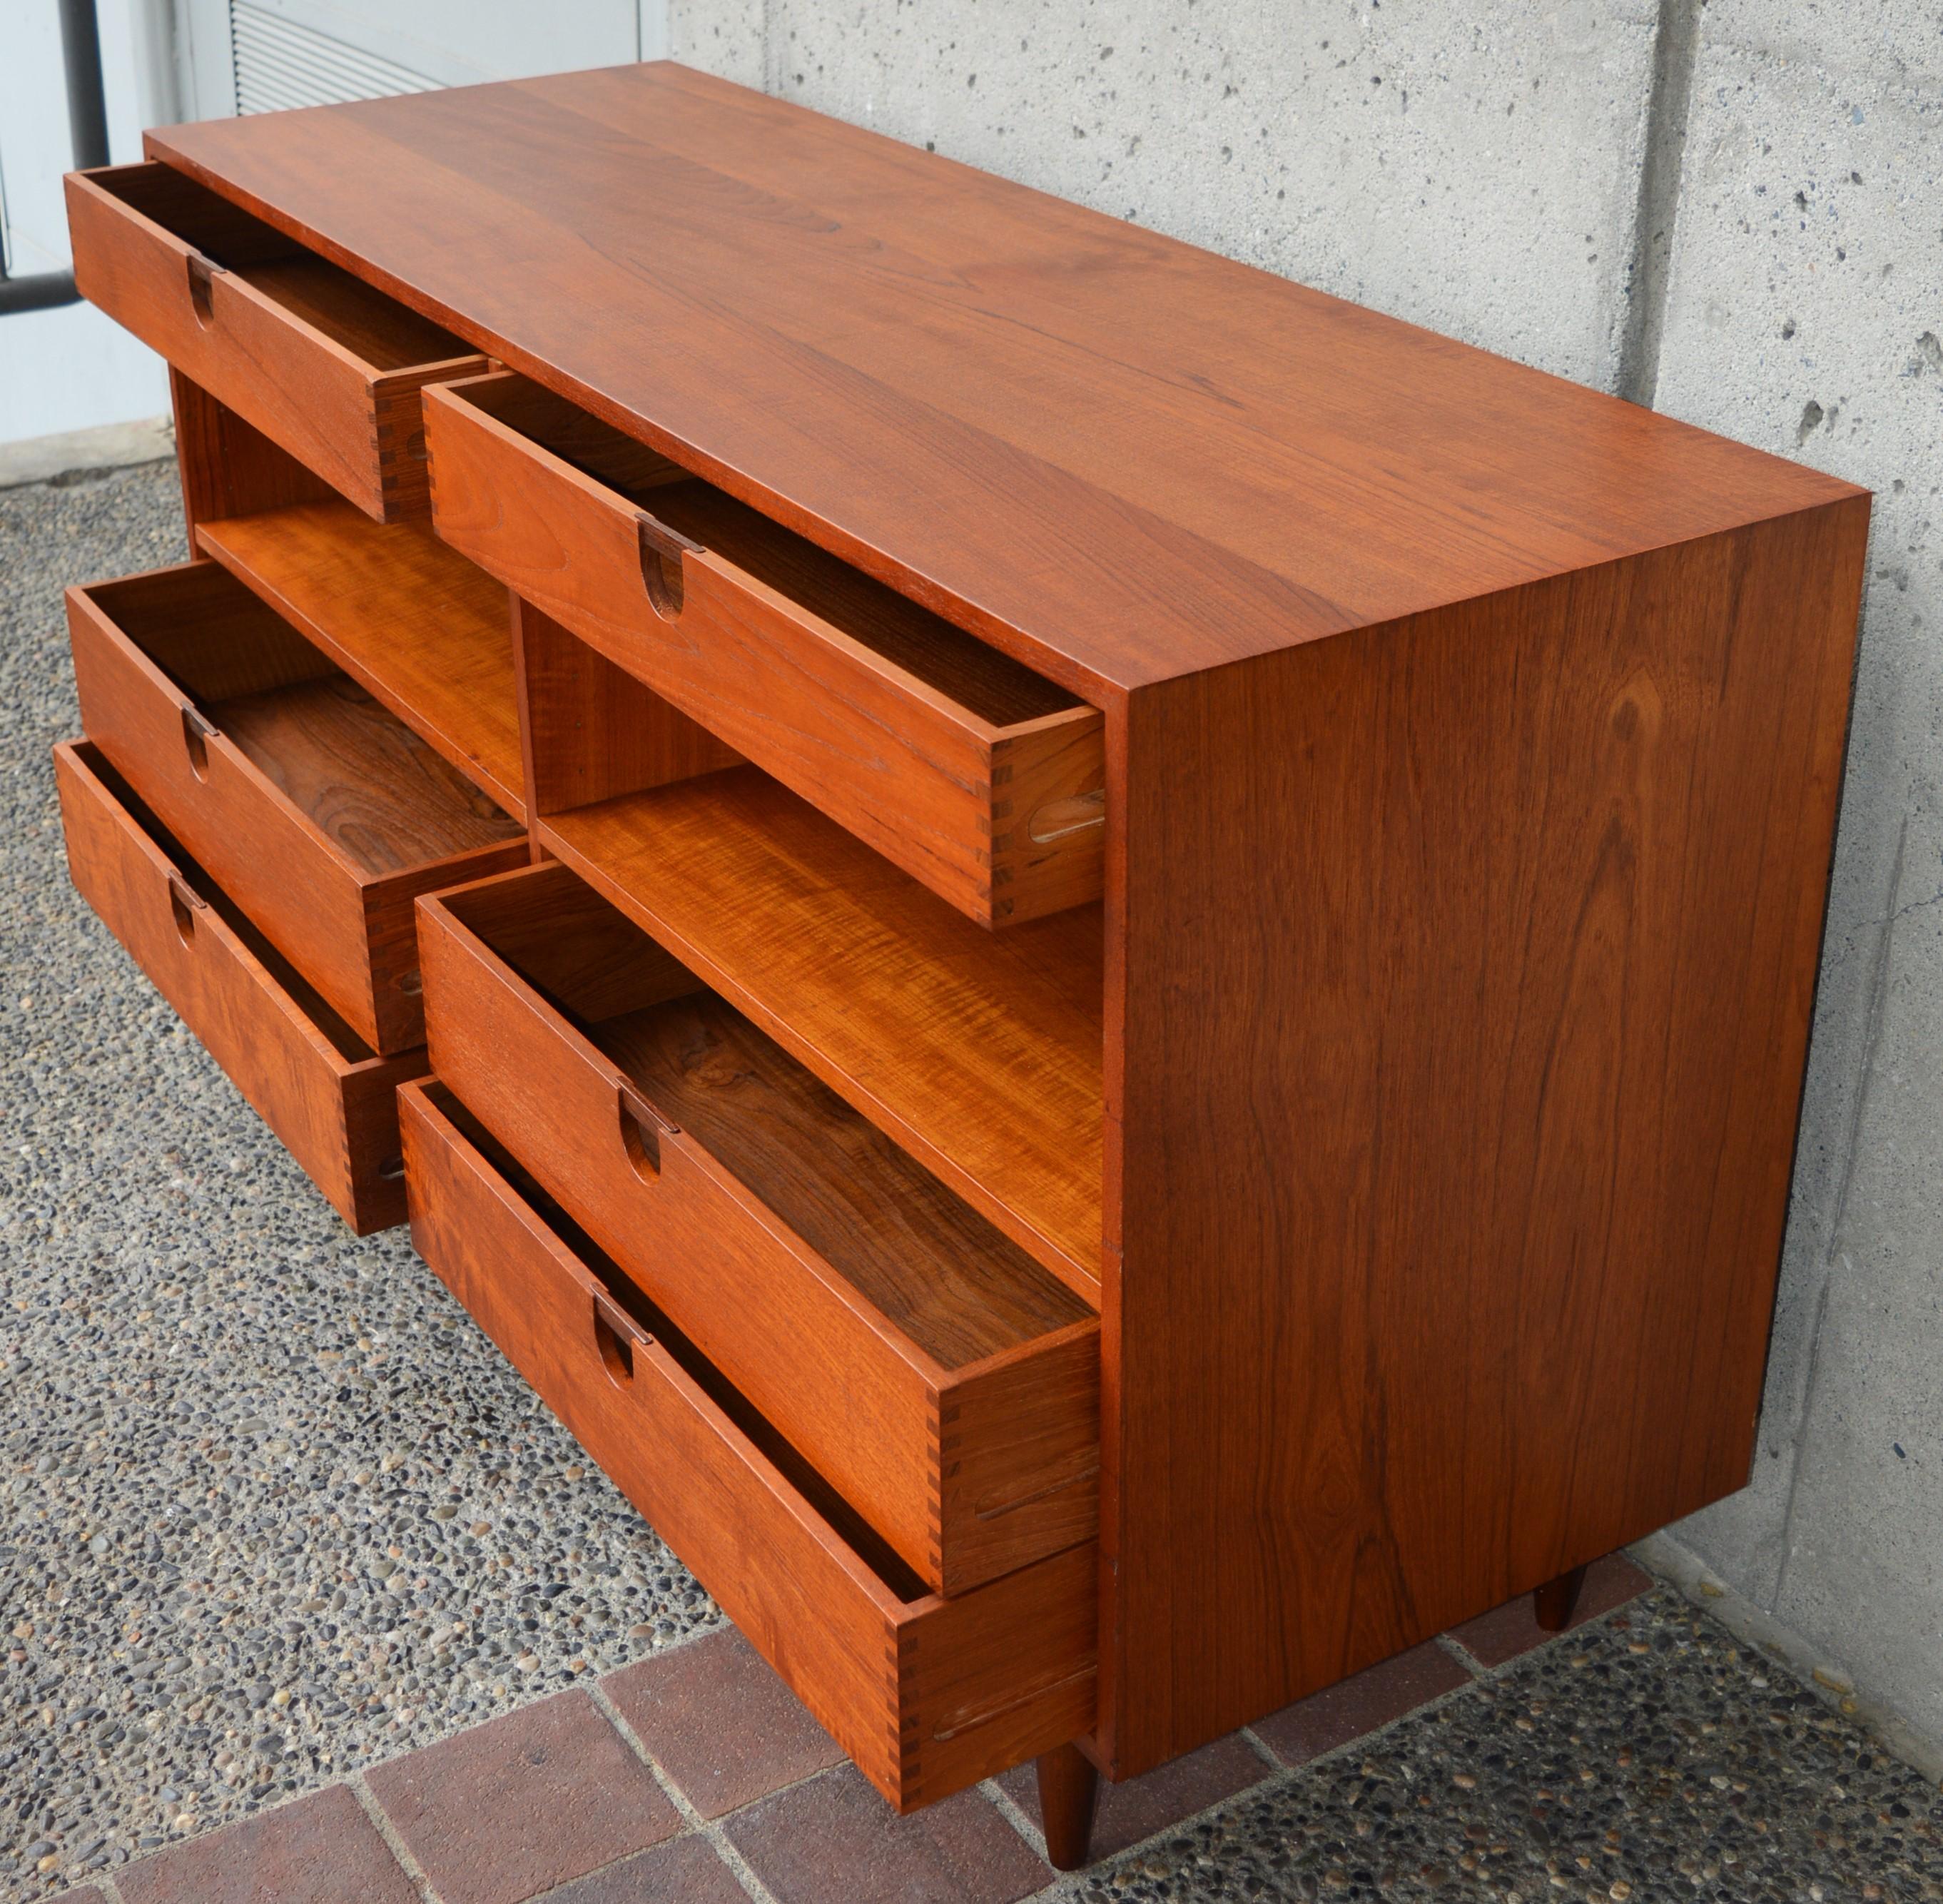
<point x="935" y="1268"/>
<point x="582" y="958"/>
<point x="365" y="779"/>
<point x="509" y="433"/>
<point x="203" y="631"/>
<point x="589" y="730"/>
<point x="1447" y="1265"/>
<point x="412" y="623"/>
<point x="927" y="1695"/>
<point x="1069" y="1790"/>
<point x="327" y="854"/>
<point x="920" y="740"/>
<point x="308" y="354"/>
<point x="332" y="1104"/>
<point x="1117" y="457"/>
<point x="627" y="1308"/>
<point x="228" y="467"/>
<point x="979" y="1052"/>
<point x="945" y="1383"/>
<point x="370" y="325"/>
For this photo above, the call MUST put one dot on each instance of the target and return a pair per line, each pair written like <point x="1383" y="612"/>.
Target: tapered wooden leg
<point x="1552" y="1604"/>
<point x="1068" y="1785"/>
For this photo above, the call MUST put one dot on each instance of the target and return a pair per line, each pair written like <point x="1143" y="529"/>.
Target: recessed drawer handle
<point x="1060" y="819"/>
<point x="197" y="732"/>
<point x="202" y="278"/>
<point x="642" y="1129"/>
<point x="186" y="903"/>
<point x="617" y="1335"/>
<point x="662" y="553"/>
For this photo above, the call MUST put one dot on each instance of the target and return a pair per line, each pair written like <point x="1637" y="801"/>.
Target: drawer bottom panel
<point x="927" y="1694"/>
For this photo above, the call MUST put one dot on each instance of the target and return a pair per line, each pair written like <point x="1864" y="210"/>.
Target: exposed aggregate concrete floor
<point x="271" y="1509"/>
<point x="1648" y="1756"/>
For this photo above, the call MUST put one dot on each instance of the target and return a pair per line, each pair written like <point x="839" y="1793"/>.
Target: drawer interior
<point x="991" y="686"/>
<point x="304" y="995"/>
<point x="363" y="778"/>
<point x="382" y="332"/>
<point x="850" y="1527"/>
<point x="410" y="620"/>
<point x="921" y="1256"/>
<point x="980" y="1052"/>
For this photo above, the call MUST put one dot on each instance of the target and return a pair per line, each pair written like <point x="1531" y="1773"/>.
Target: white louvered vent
<point x="280" y="63"/>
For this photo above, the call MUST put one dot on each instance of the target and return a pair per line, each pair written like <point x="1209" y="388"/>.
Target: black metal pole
<point x="87" y="101"/>
<point x="88" y="125"/>
<point x="46" y="291"/>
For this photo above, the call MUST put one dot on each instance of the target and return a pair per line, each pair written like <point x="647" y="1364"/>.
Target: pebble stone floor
<point x="275" y="1513"/>
<point x="271" y="1507"/>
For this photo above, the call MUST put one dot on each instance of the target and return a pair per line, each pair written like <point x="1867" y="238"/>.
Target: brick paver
<point x="321" y="1850"/>
<point x="552" y="1805"/>
<point x="1503" y="1634"/>
<point x="1360" y="1704"/>
<point x="1136" y="1808"/>
<point x="720" y="1722"/>
<point x="833" y="1841"/>
<point x="522" y="1804"/>
<point x="683" y="1871"/>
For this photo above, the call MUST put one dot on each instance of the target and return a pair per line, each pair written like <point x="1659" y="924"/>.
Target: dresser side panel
<point x="1460" y="991"/>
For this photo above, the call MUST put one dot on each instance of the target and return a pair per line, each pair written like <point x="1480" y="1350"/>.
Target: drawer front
<point x="927" y="1695"/>
<point x="753" y="1299"/>
<point x="1001" y="822"/>
<point x="967" y="1472"/>
<point x="352" y="935"/>
<point x="338" y="1116"/>
<point x="361" y="429"/>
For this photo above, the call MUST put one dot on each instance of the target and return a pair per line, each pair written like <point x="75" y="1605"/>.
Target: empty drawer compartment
<point x="964" y="767"/>
<point x="927" y="1695"/>
<point x="333" y="1104"/>
<point x="319" y="812"/>
<point x="945" y="1383"/>
<point x="317" y="359"/>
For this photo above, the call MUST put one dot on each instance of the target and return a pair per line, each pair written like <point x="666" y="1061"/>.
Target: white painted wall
<point x="71" y="369"/>
<point x="164" y="60"/>
<point x="438" y="42"/>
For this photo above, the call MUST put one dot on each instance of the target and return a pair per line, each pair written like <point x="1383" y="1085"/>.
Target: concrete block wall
<point x="1472" y="168"/>
<point x="1733" y="211"/>
<point x="1804" y="305"/>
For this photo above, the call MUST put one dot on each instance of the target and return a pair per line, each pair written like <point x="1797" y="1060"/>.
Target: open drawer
<point x="944" y="1383"/>
<point x="927" y="1695"/>
<point x="972" y="773"/>
<point x="319" y="813"/>
<point x="317" y="360"/>
<point x="332" y="1103"/>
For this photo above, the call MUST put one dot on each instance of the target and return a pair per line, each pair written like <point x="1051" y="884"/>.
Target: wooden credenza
<point x="1103" y="967"/>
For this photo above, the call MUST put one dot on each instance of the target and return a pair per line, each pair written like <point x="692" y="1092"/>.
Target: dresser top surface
<point x="1119" y="457"/>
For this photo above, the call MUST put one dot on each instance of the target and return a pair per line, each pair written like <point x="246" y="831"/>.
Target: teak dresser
<point x="1103" y="967"/>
